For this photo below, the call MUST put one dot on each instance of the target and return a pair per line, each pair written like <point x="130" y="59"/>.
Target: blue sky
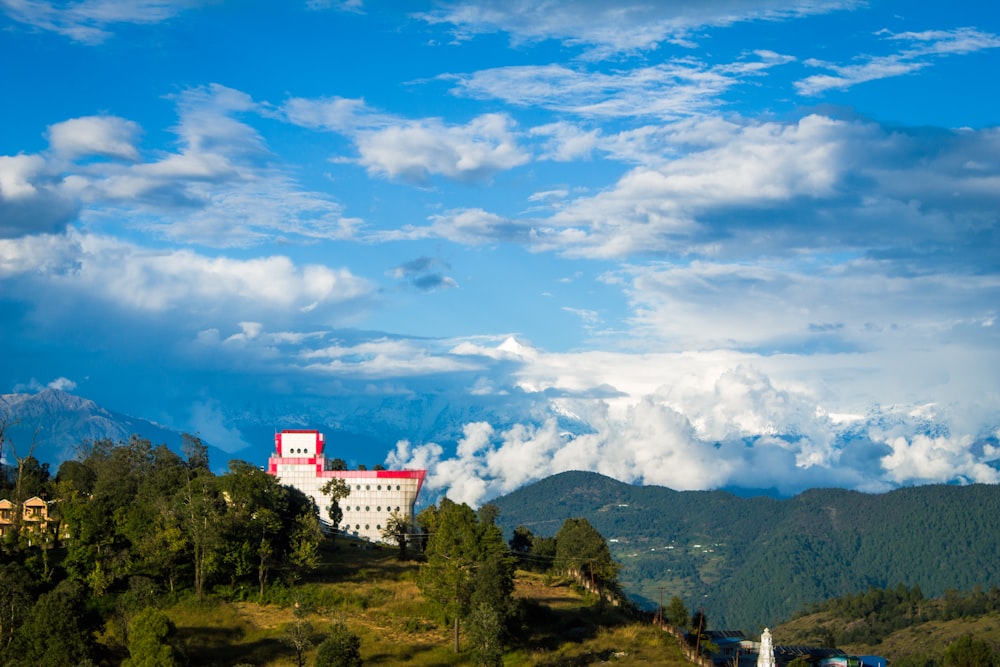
<point x="688" y="225"/>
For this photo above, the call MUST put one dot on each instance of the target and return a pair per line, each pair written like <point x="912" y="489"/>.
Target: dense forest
<point x="751" y="562"/>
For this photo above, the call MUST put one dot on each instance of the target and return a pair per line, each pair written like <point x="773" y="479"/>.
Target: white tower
<point x="766" y="656"/>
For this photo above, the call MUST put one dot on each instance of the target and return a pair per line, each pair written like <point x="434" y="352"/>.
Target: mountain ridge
<point x="53" y="424"/>
<point x="752" y="561"/>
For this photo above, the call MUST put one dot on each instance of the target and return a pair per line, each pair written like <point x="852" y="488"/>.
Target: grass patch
<point x="375" y="594"/>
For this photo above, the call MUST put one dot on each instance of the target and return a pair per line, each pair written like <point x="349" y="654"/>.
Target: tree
<point x="298" y="634"/>
<point x="967" y="651"/>
<point x="677" y="613"/>
<point x="582" y="552"/>
<point x="195" y="452"/>
<point x="16" y="599"/>
<point x="486" y="632"/>
<point x="397" y="529"/>
<point x="201" y="509"/>
<point x="304" y="542"/>
<point x="149" y="640"/>
<point x="256" y="505"/>
<point x="336" y="490"/>
<point x="61" y="613"/>
<point x="520" y="542"/>
<point x="341" y="648"/>
<point x="460" y="544"/>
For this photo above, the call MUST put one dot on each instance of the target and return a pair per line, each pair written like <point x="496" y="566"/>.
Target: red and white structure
<point x="299" y="461"/>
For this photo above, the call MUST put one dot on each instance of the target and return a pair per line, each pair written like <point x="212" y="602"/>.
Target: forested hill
<point x="752" y="562"/>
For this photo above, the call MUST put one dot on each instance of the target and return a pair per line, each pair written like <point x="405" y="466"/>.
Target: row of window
<point x="357" y="508"/>
<point x="368" y="487"/>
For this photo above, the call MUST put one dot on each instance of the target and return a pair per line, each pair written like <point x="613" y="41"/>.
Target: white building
<point x="299" y="461"/>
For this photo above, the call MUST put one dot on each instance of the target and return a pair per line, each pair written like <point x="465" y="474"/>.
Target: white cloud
<point x="468" y="226"/>
<point x="711" y="421"/>
<point x="144" y="280"/>
<point x="62" y="384"/>
<point x="218" y="190"/>
<point x="32" y="198"/>
<point x="921" y="459"/>
<point x="108" y="136"/>
<point x="208" y="422"/>
<point x="816" y="185"/>
<point x="676" y="89"/>
<point x="626" y="26"/>
<point x="382" y="358"/>
<point x="417" y="150"/>
<point x="923" y="48"/>
<point x="90" y="21"/>
<point x="335" y="114"/>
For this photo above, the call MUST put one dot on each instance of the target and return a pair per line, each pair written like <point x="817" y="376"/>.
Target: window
<point x="379" y="487"/>
<point x="367" y="508"/>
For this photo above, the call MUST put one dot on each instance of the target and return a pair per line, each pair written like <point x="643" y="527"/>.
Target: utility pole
<point x="697" y="643"/>
<point x="659" y="612"/>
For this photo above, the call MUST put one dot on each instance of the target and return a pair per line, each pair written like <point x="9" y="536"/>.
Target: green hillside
<point x="900" y="624"/>
<point x="751" y="562"/>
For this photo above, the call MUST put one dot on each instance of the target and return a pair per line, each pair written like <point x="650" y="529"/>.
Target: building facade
<point x="35" y="522"/>
<point x="299" y="461"/>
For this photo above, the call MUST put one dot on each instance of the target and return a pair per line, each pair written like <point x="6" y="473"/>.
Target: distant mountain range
<point x="57" y="423"/>
<point x="753" y="562"/>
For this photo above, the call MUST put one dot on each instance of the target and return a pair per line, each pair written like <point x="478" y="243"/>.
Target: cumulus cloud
<point x="414" y="150"/>
<point x="144" y="280"/>
<point x="33" y="199"/>
<point x="735" y="427"/>
<point x="417" y="150"/>
<point x="604" y="29"/>
<point x="107" y="136"/>
<point x="735" y="180"/>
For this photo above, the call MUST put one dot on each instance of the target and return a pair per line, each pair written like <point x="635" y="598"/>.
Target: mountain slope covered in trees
<point x="751" y="562"/>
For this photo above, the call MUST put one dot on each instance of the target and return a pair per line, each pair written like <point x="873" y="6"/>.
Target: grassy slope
<point x="928" y="639"/>
<point x="378" y="599"/>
